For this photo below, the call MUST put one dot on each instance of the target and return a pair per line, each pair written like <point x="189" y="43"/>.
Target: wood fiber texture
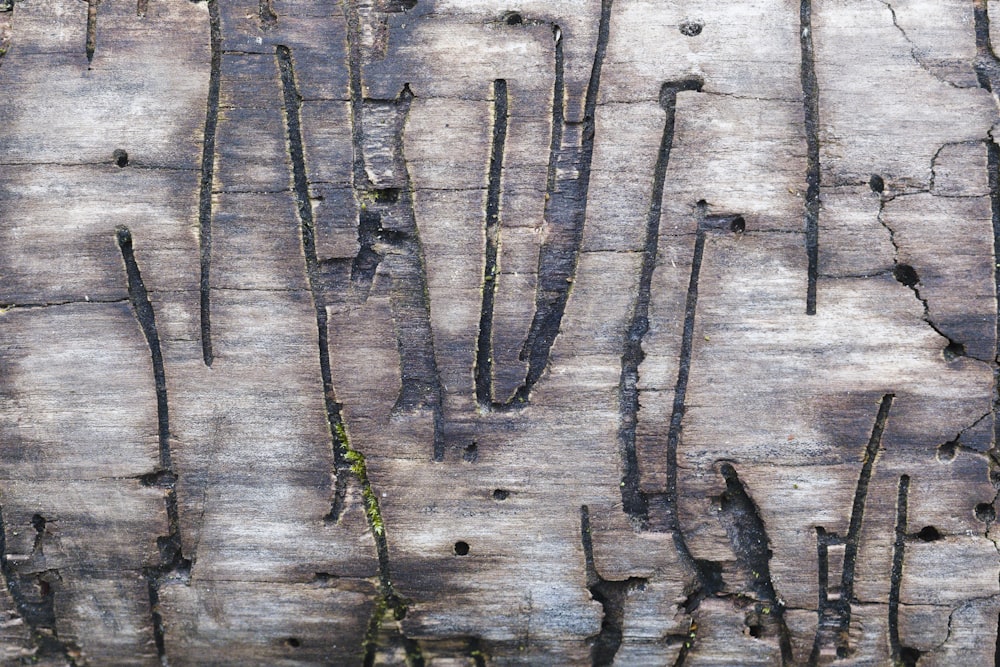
<point x="466" y="332"/>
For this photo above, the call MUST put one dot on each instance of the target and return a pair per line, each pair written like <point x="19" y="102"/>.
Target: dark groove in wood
<point x="835" y="614"/>
<point x="370" y="642"/>
<point x="207" y="178"/>
<point x="410" y="306"/>
<point x="858" y="510"/>
<point x="420" y="382"/>
<point x="687" y="643"/>
<point x="827" y="609"/>
<point x="153" y="590"/>
<point x="34" y="602"/>
<point x="680" y="394"/>
<point x="300" y="186"/>
<point x="355" y="90"/>
<point x="141" y="7"/>
<point x="144" y="315"/>
<point x="484" y="344"/>
<point x="987" y="65"/>
<point x="414" y="656"/>
<point x="91" y="46"/>
<point x="810" y="99"/>
<point x="823" y="569"/>
<point x="707" y="573"/>
<point x="896" y="576"/>
<point x="993" y="167"/>
<point x="485" y="394"/>
<point x="476" y="652"/>
<point x="558" y="114"/>
<point x="565" y="213"/>
<point x="265" y="13"/>
<point x="366" y="262"/>
<point x="387" y="602"/>
<point x="633" y="500"/>
<point x="172" y="565"/>
<point x="750" y="543"/>
<point x="988" y="73"/>
<point x="610" y="594"/>
<point x="347" y="462"/>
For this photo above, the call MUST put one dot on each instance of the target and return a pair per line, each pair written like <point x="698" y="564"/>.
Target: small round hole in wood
<point x="691" y="28"/>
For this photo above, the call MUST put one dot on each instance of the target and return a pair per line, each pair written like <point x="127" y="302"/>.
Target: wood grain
<point x="426" y="332"/>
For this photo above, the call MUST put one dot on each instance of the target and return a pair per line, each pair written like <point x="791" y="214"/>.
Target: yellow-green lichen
<point x="358" y="467"/>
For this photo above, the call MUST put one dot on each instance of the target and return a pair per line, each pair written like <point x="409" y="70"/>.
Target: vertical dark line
<point x="587" y="540"/>
<point x="346" y="462"/>
<point x="687" y="644"/>
<point x="896" y="577"/>
<point x="484" y="346"/>
<point x="986" y="65"/>
<point x="993" y="177"/>
<point x="633" y="501"/>
<point x="414" y="655"/>
<point x="170" y="546"/>
<point x="835" y="615"/>
<point x="823" y="566"/>
<point x="145" y="316"/>
<point x="300" y="186"/>
<point x="858" y="513"/>
<point x="810" y="99"/>
<point x="540" y="318"/>
<point x="565" y="213"/>
<point x="91" y="45"/>
<point x="594" y="85"/>
<point x="476" y="652"/>
<point x="707" y="573"/>
<point x="558" y="107"/>
<point x="207" y="179"/>
<point x="300" y="183"/>
<point x="825" y="610"/>
<point x="153" y="590"/>
<point x="354" y="83"/>
<point x="370" y="642"/>
<point x="680" y="394"/>
<point x="981" y="24"/>
<point x="861" y="492"/>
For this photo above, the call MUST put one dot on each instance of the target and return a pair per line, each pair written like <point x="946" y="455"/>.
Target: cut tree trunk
<point x="463" y="332"/>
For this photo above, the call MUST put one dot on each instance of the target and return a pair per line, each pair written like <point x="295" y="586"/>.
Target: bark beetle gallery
<point x="460" y="332"/>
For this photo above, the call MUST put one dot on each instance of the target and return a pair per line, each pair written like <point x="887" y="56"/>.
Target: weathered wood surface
<point x="453" y="332"/>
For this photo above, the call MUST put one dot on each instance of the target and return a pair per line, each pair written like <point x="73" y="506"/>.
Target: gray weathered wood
<point x="455" y="332"/>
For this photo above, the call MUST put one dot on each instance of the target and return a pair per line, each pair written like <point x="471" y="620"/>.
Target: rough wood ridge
<point x="465" y="332"/>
